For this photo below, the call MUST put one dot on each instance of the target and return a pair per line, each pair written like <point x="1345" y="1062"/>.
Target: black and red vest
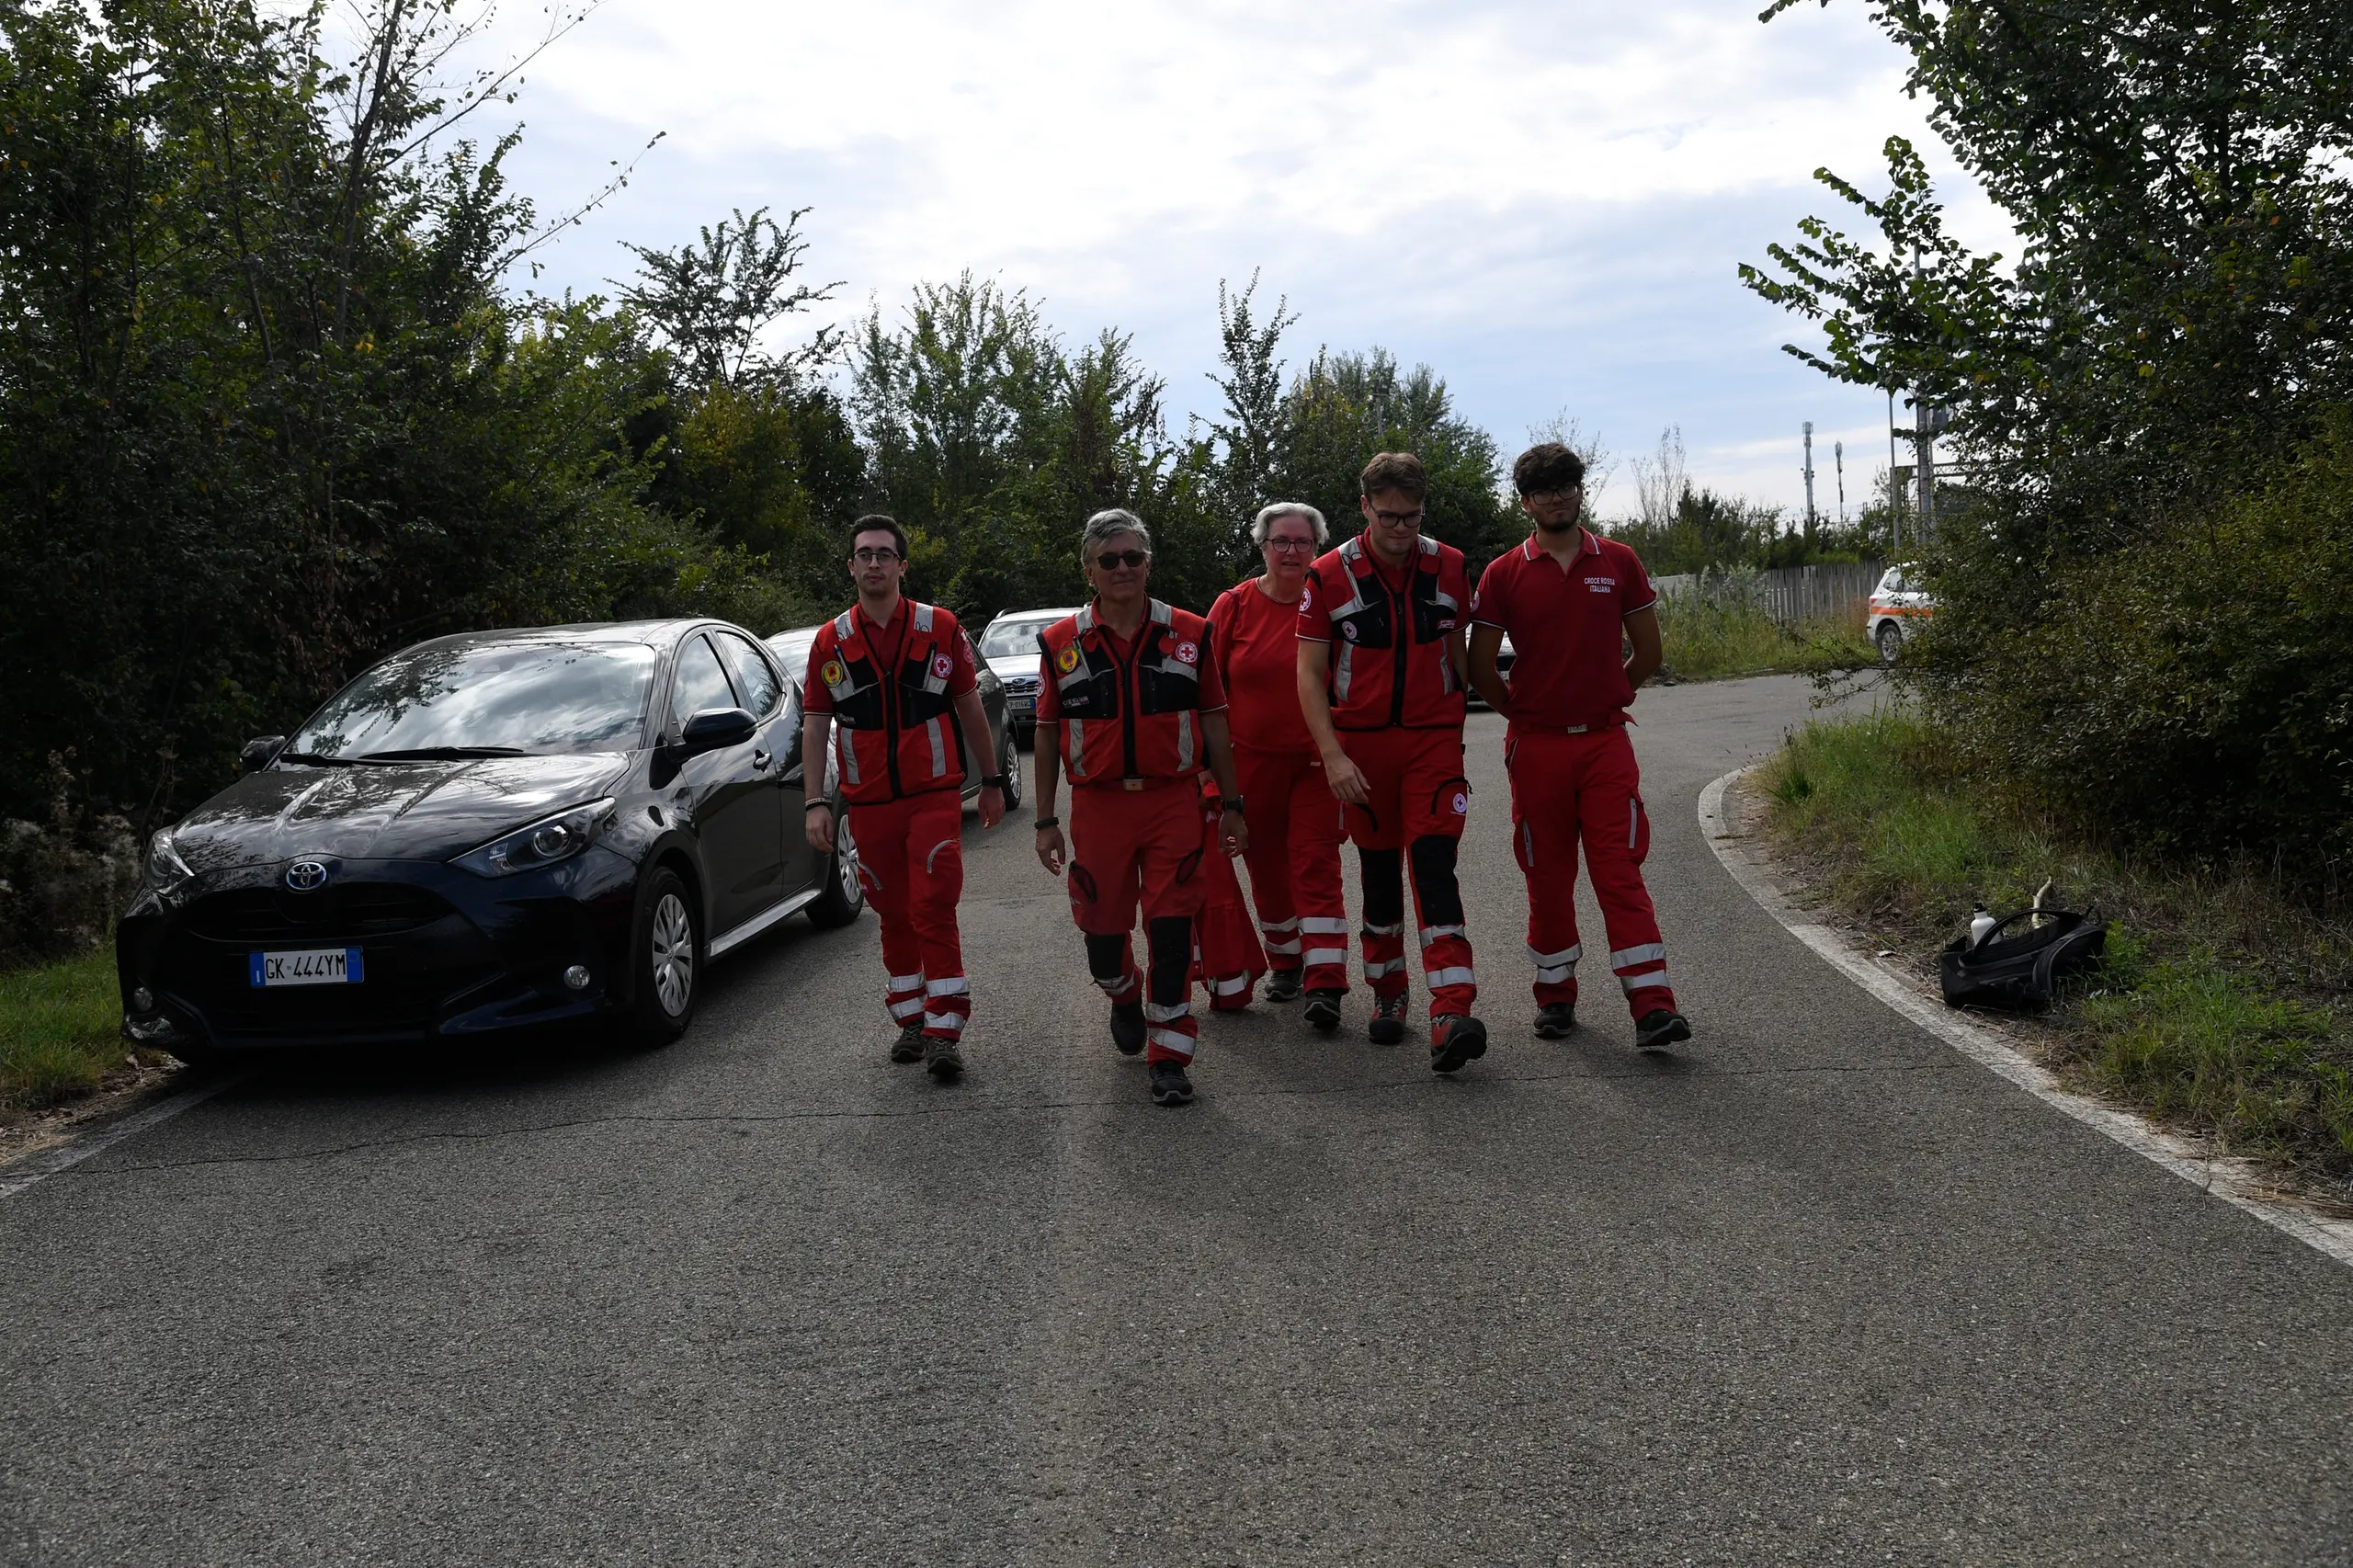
<point x="1389" y="664"/>
<point x="1131" y="717"/>
<point x="894" y="732"/>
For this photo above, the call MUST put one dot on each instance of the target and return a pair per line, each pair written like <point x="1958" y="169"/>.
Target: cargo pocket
<point x="1638" y="830"/>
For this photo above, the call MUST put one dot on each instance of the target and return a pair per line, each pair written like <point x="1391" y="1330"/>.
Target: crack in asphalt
<point x="695" y="1118"/>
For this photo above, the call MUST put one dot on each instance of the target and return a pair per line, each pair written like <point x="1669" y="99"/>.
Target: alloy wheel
<point x="674" y="955"/>
<point x="845" y="863"/>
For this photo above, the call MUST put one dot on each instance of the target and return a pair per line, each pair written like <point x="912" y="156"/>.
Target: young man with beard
<point x="1381" y="685"/>
<point x="901" y="683"/>
<point x="1572" y="603"/>
<point x="1129" y="704"/>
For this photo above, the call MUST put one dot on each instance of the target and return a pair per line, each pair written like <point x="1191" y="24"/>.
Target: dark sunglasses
<point x="1111" y="559"/>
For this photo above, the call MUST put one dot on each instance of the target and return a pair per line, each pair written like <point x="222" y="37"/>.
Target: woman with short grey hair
<point x="1294" y="851"/>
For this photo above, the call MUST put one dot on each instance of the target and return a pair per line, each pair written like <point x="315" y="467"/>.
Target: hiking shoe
<point x="1169" y="1084"/>
<point x="1455" y="1039"/>
<point x="1555" y="1019"/>
<point x="1283" y="986"/>
<point x="1660" y="1029"/>
<point x="1388" y="1019"/>
<point x="908" y="1047"/>
<point x="1127" y="1027"/>
<point x="942" y="1060"/>
<point x="1324" y="1009"/>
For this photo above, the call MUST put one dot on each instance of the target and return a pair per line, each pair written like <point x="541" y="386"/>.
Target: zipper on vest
<point x="1401" y="635"/>
<point x="1128" y="696"/>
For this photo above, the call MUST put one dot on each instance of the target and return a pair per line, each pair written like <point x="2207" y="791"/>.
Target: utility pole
<point x="1838" y="461"/>
<point x="1809" y="479"/>
<point x="1894" y="495"/>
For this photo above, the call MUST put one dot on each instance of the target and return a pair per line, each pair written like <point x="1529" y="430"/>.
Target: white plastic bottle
<point x="1980" y="922"/>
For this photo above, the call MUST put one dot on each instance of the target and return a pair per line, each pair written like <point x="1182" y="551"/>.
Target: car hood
<point x="1022" y="664"/>
<point x="410" y="810"/>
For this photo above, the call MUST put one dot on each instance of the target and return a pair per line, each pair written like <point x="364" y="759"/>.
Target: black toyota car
<point x="484" y="833"/>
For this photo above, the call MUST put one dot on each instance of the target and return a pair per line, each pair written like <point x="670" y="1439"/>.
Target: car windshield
<point x="1010" y="639"/>
<point x="497" y="698"/>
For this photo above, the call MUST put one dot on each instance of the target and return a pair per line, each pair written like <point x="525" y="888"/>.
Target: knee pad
<point x="1107" y="958"/>
<point x="1379" y="871"/>
<point x="1434" y="884"/>
<point x="1170" y="939"/>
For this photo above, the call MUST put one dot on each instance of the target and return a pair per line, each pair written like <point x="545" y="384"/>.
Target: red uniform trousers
<point x="1295" y="860"/>
<point x="1227" y="958"/>
<point x="1416" y="804"/>
<point x="1132" y="845"/>
<point x="1565" y="788"/>
<point x="911" y="857"/>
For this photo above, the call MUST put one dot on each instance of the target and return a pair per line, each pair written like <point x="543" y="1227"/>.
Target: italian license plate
<point x="310" y="966"/>
<point x="1022" y="704"/>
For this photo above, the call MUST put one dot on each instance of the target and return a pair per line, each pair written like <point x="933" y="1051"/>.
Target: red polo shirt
<point x="1567" y="628"/>
<point x="1256" y="640"/>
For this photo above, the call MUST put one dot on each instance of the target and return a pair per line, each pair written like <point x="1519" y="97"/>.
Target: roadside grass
<point x="59" y="1030"/>
<point x="2224" y="1007"/>
<point x="1706" y="639"/>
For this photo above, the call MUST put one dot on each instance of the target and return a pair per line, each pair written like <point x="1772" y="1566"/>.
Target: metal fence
<point x="1789" y="594"/>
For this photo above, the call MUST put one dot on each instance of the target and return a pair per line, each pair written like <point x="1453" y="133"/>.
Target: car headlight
<point x="165" y="869"/>
<point x="544" y="843"/>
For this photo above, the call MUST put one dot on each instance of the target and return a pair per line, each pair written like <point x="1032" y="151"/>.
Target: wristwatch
<point x="1234" y="802"/>
<point x="1047" y="822"/>
<point x="993" y="782"/>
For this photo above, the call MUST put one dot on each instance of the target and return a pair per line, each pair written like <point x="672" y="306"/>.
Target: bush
<point x="61" y="884"/>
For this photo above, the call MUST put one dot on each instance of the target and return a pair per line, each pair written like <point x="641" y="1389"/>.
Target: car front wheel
<point x="844" y="897"/>
<point x="1891" y="642"/>
<point x="1009" y="762"/>
<point x="669" y="962"/>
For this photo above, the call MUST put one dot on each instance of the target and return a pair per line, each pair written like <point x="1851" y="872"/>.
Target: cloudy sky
<point x="1545" y="202"/>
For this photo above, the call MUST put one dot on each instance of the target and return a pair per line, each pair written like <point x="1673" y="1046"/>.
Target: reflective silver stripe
<point x="955" y="985"/>
<point x="849" y="755"/>
<point x="1633" y="819"/>
<point x="1074" y="732"/>
<point x="907" y="1009"/>
<point x="1432" y="933"/>
<point x="1374" y="971"/>
<point x="1630" y="983"/>
<point x="1271" y="927"/>
<point x="906" y="983"/>
<point x="938" y="748"/>
<point x="1319" y="926"/>
<point x="1325" y="955"/>
<point x="1344" y="671"/>
<point x="847" y="625"/>
<point x="1085" y="619"/>
<point x="952" y="1022"/>
<point x="1445" y="670"/>
<point x="1437" y="977"/>
<point x="1167" y="1013"/>
<point x="1161" y="613"/>
<point x="1170" y="1040"/>
<point x="1228" y="987"/>
<point x="1552" y="968"/>
<point x="1284" y="948"/>
<point x="931" y="859"/>
<point x="1115" y="987"/>
<point x="1351" y="553"/>
<point x="1449" y="600"/>
<point x="1396" y="930"/>
<point x="1642" y="954"/>
<point x="1185" y="738"/>
<point x="923" y="618"/>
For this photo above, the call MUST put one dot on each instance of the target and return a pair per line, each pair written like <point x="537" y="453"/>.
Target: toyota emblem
<point x="306" y="876"/>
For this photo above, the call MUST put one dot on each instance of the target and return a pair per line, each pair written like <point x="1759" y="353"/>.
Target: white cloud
<point x="1544" y="201"/>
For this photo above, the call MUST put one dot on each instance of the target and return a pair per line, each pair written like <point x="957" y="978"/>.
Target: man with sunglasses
<point x="900" y="683"/>
<point x="1130" y="705"/>
<point x="1579" y="610"/>
<point x="1381" y="685"/>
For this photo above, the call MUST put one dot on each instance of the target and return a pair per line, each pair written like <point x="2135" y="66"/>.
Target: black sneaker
<point x="1283" y="986"/>
<point x="908" y="1047"/>
<point x="1324" y="1009"/>
<point x="1388" y="1019"/>
<point x="1555" y="1019"/>
<point x="943" y="1060"/>
<point x="1128" y="1027"/>
<point x="1455" y="1040"/>
<point x="1169" y="1084"/>
<point x="1660" y="1029"/>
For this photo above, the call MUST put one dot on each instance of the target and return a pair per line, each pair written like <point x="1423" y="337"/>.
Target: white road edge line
<point x="36" y="1168"/>
<point x="2226" y="1180"/>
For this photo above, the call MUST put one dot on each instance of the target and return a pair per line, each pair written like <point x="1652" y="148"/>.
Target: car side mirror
<point x="714" y="729"/>
<point x="259" y="753"/>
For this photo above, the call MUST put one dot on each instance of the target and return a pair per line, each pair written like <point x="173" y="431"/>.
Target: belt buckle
<point x="1132" y="784"/>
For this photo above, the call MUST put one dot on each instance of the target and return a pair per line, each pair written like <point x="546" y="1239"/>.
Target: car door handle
<point x="760" y="759"/>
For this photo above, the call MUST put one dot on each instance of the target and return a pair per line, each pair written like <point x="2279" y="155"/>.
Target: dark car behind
<point x="482" y="832"/>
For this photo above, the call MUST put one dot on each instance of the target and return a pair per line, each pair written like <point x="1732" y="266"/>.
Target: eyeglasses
<point x="874" y="557"/>
<point x="1398" y="519"/>
<point x="1289" y="545"/>
<point x="1112" y="560"/>
<point x="1553" y="497"/>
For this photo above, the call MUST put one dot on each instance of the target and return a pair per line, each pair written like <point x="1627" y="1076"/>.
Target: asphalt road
<point x="1815" y="1291"/>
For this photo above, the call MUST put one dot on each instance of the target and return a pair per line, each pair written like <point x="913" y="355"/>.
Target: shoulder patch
<point x="833" y="673"/>
<point x="1067" y="660"/>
